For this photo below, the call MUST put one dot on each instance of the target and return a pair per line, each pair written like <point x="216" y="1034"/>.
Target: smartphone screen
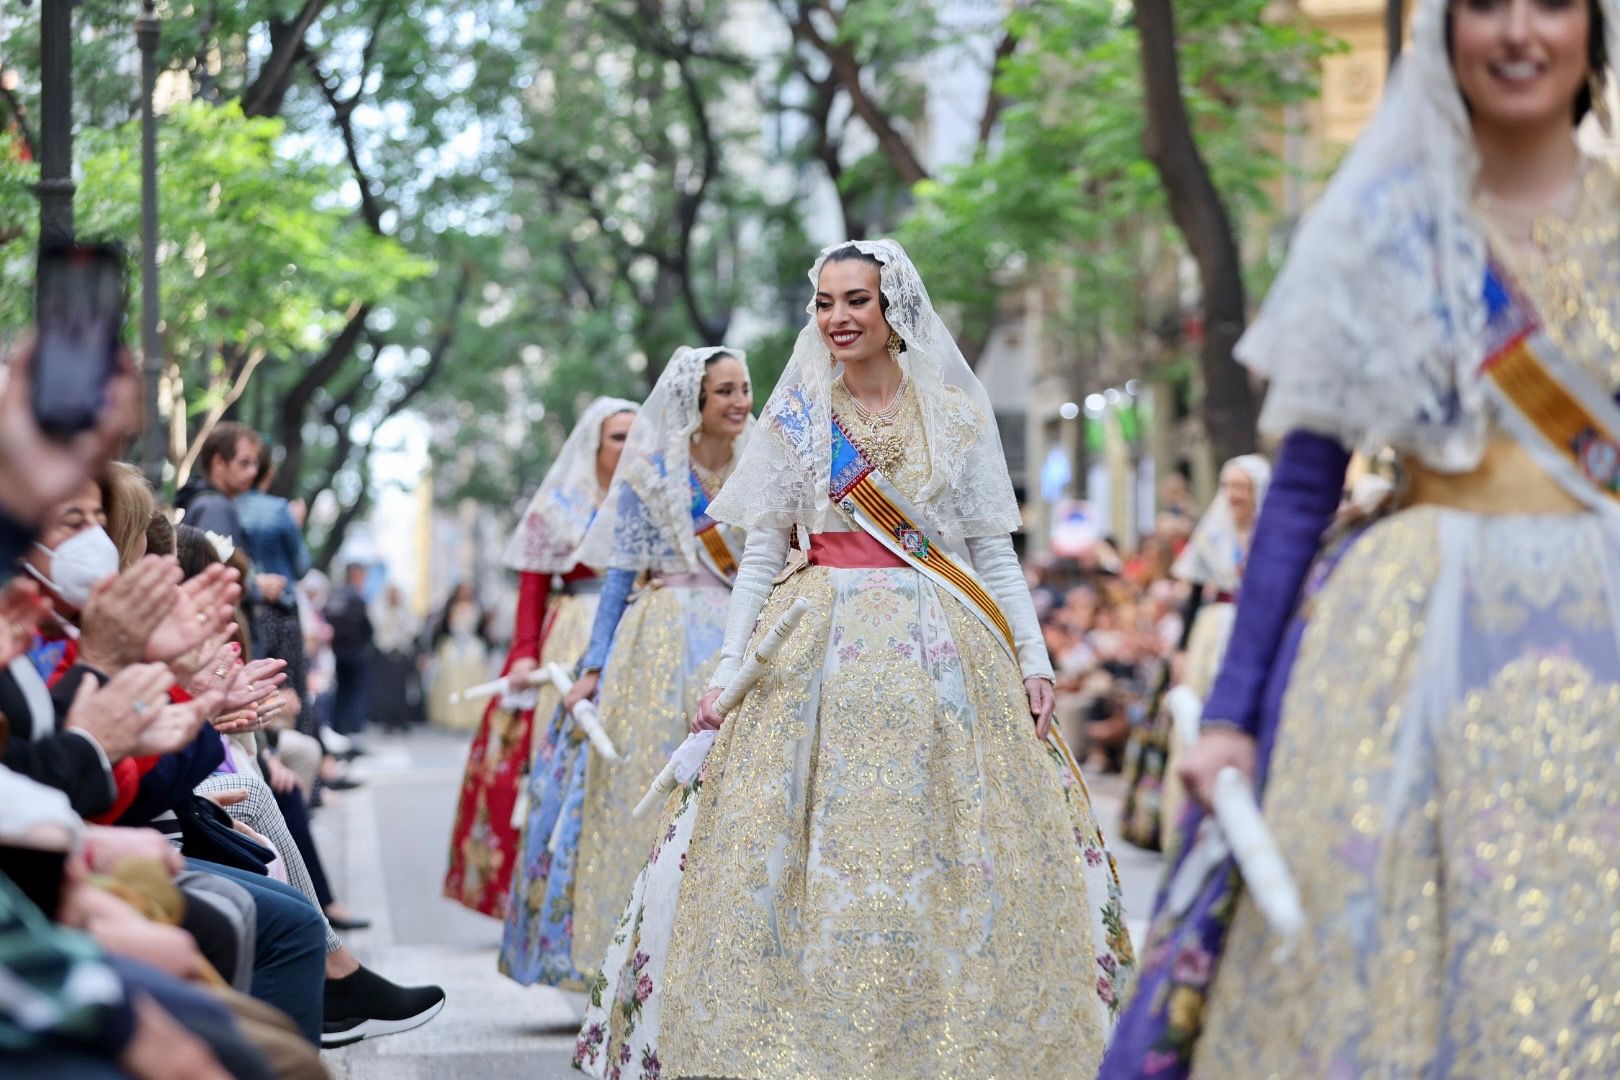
<point x="80" y="302"/>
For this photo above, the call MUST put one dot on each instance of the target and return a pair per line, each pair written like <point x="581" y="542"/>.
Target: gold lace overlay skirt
<point x="886" y="876"/>
<point x="664" y="653"/>
<point x="1446" y="791"/>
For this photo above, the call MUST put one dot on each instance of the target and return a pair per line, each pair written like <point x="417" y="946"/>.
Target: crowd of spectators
<point x="1113" y="627"/>
<point x="163" y="908"/>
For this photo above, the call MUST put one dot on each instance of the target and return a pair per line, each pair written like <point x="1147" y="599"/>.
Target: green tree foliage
<point x="488" y="212"/>
<point x="1068" y="190"/>
<point x="255" y="258"/>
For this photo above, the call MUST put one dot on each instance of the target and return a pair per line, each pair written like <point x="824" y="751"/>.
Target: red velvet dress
<point x="484" y="844"/>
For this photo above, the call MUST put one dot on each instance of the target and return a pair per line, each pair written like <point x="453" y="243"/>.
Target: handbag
<point x="207" y="833"/>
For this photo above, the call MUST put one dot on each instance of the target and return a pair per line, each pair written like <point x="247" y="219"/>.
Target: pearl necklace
<point x="888" y="414"/>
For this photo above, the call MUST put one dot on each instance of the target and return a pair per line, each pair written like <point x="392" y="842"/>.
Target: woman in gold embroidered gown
<point x="654" y="650"/>
<point x="1445" y="785"/>
<point x="556" y="601"/>
<point x="887" y="871"/>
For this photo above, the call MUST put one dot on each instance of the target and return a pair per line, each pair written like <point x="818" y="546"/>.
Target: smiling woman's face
<point x="1521" y="63"/>
<point x="849" y="313"/>
<point x="727" y="398"/>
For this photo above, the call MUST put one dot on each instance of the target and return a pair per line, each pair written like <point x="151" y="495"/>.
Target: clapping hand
<point x="239" y="722"/>
<point x="117" y="714"/>
<point x="176" y="725"/>
<point x="254" y="684"/>
<point x="242" y="685"/>
<point x="204" y="608"/>
<point x="119" y="618"/>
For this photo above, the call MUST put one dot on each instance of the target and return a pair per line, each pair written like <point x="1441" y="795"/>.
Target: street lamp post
<point x="55" y="188"/>
<point x="153" y="453"/>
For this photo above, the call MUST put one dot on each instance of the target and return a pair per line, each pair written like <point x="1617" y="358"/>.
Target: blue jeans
<point x="289" y="959"/>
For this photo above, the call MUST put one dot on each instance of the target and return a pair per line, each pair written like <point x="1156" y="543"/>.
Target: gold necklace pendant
<point x="883" y="443"/>
<point x="878" y="432"/>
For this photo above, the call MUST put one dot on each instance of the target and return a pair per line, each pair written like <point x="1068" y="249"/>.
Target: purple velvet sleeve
<point x="1300" y="504"/>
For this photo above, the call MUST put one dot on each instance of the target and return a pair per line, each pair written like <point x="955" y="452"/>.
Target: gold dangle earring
<point x="1596" y="85"/>
<point x="896" y="345"/>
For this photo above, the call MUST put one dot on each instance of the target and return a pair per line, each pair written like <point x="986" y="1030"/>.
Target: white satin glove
<point x="997" y="563"/>
<point x="764" y="555"/>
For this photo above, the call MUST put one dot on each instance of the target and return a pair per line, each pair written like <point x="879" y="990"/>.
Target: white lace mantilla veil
<point x="782" y="479"/>
<point x="1375" y="328"/>
<point x="1210" y="555"/>
<point x="656" y="471"/>
<point x="560" y="512"/>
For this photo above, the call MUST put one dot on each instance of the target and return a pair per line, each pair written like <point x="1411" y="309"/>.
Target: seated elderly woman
<point x="103" y="627"/>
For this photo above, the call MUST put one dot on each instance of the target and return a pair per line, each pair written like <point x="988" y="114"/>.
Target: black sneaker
<point x="365" y="1005"/>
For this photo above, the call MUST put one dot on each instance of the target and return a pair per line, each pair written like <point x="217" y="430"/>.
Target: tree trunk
<point x="1229" y="407"/>
<point x="269" y="90"/>
<point x="295" y="403"/>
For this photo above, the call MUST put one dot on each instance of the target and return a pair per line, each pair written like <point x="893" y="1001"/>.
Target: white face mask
<point x="78" y="564"/>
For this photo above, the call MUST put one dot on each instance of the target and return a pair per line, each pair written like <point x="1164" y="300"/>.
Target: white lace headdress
<point x="645" y="522"/>
<point x="1374" y="330"/>
<point x="1212" y="553"/>
<point x="561" y="511"/>
<point x="782" y="480"/>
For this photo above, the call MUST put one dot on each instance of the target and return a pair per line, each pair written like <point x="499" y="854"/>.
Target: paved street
<point x="385" y="845"/>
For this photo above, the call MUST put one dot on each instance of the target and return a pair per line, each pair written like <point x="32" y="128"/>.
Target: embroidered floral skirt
<point x="1446" y="791"/>
<point x="879" y="872"/>
<point x="1158" y="1028"/>
<point x="484" y="840"/>
<point x="663" y="655"/>
<point x="525" y="909"/>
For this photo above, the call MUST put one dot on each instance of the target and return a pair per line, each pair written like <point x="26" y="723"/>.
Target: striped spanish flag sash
<point x="876" y="505"/>
<point x="713" y="549"/>
<point x="1567" y="421"/>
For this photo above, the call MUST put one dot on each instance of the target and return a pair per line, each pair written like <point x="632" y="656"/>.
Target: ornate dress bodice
<point x="1567" y="261"/>
<point x="896" y="446"/>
